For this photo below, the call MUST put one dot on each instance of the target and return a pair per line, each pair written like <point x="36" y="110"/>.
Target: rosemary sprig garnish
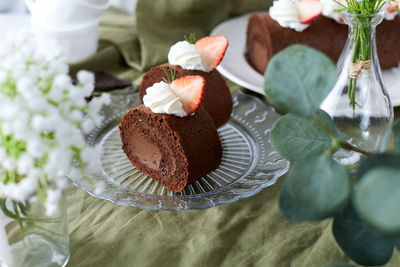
<point x="169" y="77"/>
<point x="361" y="59"/>
<point x="192" y="39"/>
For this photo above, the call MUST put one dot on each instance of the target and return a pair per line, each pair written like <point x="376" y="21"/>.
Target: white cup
<point x="65" y="13"/>
<point x="74" y="44"/>
<point x="128" y="6"/>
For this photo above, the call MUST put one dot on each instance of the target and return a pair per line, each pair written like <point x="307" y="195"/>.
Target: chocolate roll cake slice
<point x="265" y="38"/>
<point x="171" y="137"/>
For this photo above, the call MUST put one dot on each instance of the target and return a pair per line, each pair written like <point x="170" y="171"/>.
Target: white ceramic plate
<point x="236" y="68"/>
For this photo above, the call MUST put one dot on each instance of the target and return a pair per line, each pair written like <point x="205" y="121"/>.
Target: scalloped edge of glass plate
<point x="123" y="197"/>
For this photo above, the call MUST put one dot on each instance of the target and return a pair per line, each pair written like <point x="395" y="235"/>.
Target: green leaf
<point x="361" y="243"/>
<point x="378" y="160"/>
<point x="319" y="183"/>
<point x="377" y="199"/>
<point x="293" y="211"/>
<point x="295" y="137"/>
<point x="396" y="132"/>
<point x="298" y="79"/>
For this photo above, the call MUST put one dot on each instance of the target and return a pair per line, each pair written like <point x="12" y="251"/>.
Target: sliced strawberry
<point x="308" y="10"/>
<point x="190" y="90"/>
<point x="212" y="50"/>
<point x="393" y="7"/>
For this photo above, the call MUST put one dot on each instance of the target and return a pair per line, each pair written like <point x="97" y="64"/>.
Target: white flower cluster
<point x="41" y="116"/>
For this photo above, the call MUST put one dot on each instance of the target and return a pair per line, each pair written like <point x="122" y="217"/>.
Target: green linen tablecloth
<point x="250" y="232"/>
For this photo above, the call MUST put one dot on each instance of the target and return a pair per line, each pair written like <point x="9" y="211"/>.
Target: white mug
<point x="74" y="44"/>
<point x="65" y="13"/>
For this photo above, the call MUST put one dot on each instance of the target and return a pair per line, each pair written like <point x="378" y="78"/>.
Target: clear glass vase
<point x="37" y="240"/>
<point x="359" y="103"/>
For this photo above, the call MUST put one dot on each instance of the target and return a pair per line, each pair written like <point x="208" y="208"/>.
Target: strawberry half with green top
<point x="190" y="90"/>
<point x="393" y="7"/>
<point x="308" y="10"/>
<point x="212" y="50"/>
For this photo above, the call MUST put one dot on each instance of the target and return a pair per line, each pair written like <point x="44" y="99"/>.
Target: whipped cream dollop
<point x="329" y="7"/>
<point x="285" y="13"/>
<point x="186" y="55"/>
<point x="160" y="99"/>
<point x="390" y="9"/>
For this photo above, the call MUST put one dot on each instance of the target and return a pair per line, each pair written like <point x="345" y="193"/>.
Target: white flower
<point x="41" y="108"/>
<point x="3" y="154"/>
<point x="85" y="77"/>
<point x="40" y="123"/>
<point x="35" y="148"/>
<point x="9" y="164"/>
<point x="21" y="191"/>
<point x="25" y="163"/>
<point x="88" y="125"/>
<point x="76" y="116"/>
<point x="89" y="156"/>
<point x="52" y="204"/>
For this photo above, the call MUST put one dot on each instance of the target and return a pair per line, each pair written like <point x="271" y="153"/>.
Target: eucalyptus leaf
<point x="361" y="243"/>
<point x="295" y="137"/>
<point x="319" y="183"/>
<point x="396" y="132"/>
<point x="377" y="199"/>
<point x="294" y="212"/>
<point x="378" y="160"/>
<point x="298" y="79"/>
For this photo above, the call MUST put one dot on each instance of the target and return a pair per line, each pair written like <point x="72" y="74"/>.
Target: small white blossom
<point x="25" y="163"/>
<point x="85" y="77"/>
<point x="53" y="201"/>
<point x="35" y="148"/>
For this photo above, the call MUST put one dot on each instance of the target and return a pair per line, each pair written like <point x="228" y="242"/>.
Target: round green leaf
<point x="361" y="243"/>
<point x="377" y="198"/>
<point x="295" y="137"/>
<point x="298" y="79"/>
<point x="378" y="160"/>
<point x="293" y="211"/>
<point x="319" y="183"/>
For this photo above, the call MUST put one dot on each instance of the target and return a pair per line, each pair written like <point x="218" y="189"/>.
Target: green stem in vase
<point x="361" y="59"/>
<point x="361" y="55"/>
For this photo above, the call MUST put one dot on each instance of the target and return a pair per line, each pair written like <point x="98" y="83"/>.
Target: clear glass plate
<point x="249" y="163"/>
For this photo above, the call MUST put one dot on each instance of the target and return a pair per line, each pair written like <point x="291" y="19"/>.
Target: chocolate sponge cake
<point x="265" y="38"/>
<point x="175" y="151"/>
<point x="217" y="96"/>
